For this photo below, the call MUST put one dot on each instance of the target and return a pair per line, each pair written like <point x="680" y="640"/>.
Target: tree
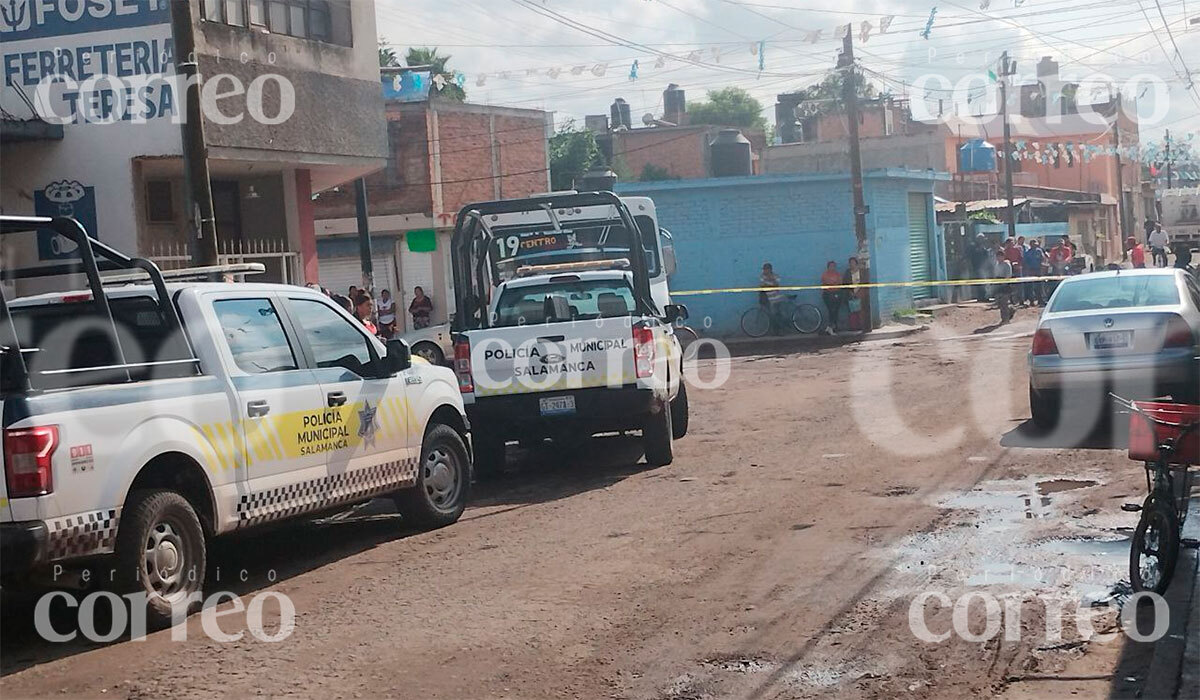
<point x="387" y="55"/>
<point x="652" y="172"/>
<point x="731" y="106"/>
<point x="572" y="152"/>
<point x="825" y="97"/>
<point x="425" y="56"/>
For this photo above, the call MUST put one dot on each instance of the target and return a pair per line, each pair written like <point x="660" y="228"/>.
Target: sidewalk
<point x="1175" y="670"/>
<point x="780" y="344"/>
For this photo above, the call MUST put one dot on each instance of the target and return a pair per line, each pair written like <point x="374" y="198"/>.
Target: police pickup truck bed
<point x="567" y="349"/>
<point x="134" y="429"/>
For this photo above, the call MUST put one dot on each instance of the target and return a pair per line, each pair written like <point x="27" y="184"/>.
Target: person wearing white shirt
<point x="1159" y="240"/>
<point x="385" y="311"/>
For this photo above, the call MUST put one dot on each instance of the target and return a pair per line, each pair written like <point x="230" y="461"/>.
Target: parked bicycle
<point x="1165" y="438"/>
<point x="762" y="319"/>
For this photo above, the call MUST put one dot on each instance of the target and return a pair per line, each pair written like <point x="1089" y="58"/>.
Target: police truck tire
<point x="679" y="412"/>
<point x="656" y="438"/>
<point x="443" y="481"/>
<point x="489" y="453"/>
<point x="161" y="539"/>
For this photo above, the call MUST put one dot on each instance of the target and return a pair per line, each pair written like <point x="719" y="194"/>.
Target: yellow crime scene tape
<point x="869" y="285"/>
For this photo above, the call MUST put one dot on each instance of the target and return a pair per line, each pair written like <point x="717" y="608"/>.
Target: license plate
<point x="557" y="405"/>
<point x="1111" y="340"/>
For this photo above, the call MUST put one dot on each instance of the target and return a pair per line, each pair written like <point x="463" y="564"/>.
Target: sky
<point x="574" y="57"/>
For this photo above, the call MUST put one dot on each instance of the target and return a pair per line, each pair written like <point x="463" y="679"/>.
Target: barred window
<point x="306" y="19"/>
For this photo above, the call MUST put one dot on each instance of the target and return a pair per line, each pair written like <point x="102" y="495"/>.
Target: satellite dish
<point x="647" y="118"/>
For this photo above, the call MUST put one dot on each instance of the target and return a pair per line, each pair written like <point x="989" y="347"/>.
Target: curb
<point x="1175" y="667"/>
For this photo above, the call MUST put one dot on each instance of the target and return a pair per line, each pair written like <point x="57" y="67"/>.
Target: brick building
<point x="443" y="155"/>
<point x="1059" y="144"/>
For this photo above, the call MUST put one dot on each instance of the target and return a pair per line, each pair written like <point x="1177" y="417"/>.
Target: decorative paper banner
<point x="762" y="55"/>
<point x="929" y="22"/>
<point x="864" y="31"/>
<point x="885" y="22"/>
<point x="633" y="70"/>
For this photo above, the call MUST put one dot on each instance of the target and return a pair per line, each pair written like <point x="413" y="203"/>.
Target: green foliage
<point x="652" y="172"/>
<point x="425" y="56"/>
<point x="826" y="96"/>
<point x="731" y="106"/>
<point x="387" y="55"/>
<point x="572" y="152"/>
<point x="984" y="215"/>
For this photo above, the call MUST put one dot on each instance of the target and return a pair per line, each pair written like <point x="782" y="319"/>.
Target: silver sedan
<point x="1133" y="332"/>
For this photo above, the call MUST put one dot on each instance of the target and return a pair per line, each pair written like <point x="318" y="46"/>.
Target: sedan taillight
<point x="28" y="457"/>
<point x="1043" y="342"/>
<point x="1179" y="334"/>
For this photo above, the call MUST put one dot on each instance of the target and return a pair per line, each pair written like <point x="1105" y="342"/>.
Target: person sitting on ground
<point x="832" y="297"/>
<point x="1159" y="242"/>
<point x="421" y="308"/>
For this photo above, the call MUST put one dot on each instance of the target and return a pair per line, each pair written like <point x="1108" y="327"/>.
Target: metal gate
<point x="282" y="265"/>
<point x="920" y="269"/>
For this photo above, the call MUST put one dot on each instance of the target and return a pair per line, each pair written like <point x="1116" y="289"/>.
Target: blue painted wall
<point x="1051" y="230"/>
<point x="726" y="228"/>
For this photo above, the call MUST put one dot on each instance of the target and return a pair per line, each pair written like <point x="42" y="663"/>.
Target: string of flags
<point x="1070" y="152"/>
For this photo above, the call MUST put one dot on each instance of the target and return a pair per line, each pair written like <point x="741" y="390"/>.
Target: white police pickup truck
<point x="140" y="420"/>
<point x="563" y="327"/>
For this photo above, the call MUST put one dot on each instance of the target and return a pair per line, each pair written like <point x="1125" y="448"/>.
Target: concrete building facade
<point x="275" y="77"/>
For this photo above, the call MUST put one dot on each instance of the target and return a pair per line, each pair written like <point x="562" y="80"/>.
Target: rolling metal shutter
<point x="919" y="265"/>
<point x="337" y="274"/>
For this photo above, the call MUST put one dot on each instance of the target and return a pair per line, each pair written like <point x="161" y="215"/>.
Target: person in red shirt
<point x="832" y="297"/>
<point x="1137" y="254"/>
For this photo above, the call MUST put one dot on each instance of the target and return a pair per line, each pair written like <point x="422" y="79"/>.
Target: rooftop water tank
<point x="730" y="153"/>
<point x="977" y="156"/>
<point x="597" y="180"/>
<point x="619" y="111"/>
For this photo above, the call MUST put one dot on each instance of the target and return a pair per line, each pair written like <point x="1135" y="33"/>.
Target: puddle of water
<point x="1052" y="486"/>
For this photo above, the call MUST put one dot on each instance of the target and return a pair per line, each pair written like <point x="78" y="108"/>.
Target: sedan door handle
<point x="336" y="398"/>
<point x="257" y="409"/>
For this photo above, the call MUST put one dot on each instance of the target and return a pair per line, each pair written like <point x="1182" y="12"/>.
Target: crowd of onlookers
<point x="379" y="315"/>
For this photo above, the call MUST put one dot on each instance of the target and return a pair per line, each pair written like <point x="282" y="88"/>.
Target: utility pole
<point x="1116" y="141"/>
<point x="850" y="97"/>
<point x="1007" y="69"/>
<point x="364" y="236"/>
<point x="203" y="234"/>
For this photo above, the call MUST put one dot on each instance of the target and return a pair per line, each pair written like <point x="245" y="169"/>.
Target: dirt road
<point x="816" y="494"/>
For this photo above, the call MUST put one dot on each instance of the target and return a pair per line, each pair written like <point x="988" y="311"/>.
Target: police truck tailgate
<point x="553" y="357"/>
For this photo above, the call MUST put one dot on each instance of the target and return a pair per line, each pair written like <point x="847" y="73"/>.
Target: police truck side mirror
<point x="398" y="358"/>
<point x="675" y="312"/>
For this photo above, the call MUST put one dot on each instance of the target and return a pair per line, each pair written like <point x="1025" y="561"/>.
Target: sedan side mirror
<point x="399" y="356"/>
<point x="676" y="312"/>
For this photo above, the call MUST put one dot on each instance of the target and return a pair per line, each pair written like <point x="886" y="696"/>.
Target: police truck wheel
<point x="656" y="438"/>
<point x="160" y="539"/>
<point x="679" y="412"/>
<point x="489" y="453"/>
<point x="443" y="481"/>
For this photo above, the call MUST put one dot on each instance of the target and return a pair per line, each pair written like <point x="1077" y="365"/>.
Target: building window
<point x="160" y="206"/>
<point x="306" y="19"/>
